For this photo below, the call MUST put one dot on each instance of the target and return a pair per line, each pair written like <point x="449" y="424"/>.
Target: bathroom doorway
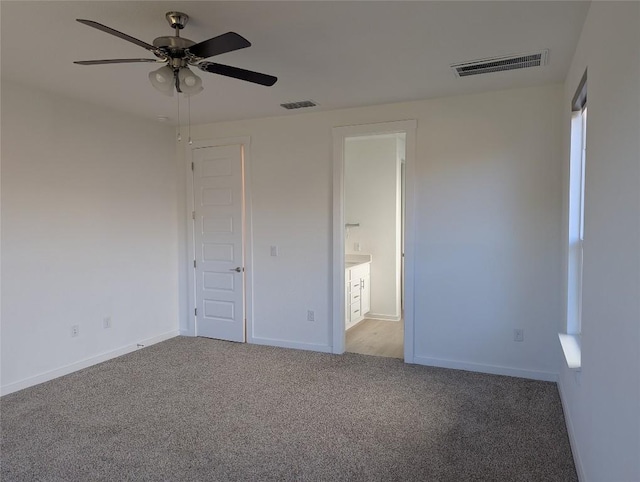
<point x="373" y="182"/>
<point x="371" y="255"/>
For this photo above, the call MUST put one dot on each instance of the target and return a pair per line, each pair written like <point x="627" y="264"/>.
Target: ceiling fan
<point x="179" y="53"/>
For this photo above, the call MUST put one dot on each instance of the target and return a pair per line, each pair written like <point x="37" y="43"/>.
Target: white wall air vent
<point x="299" y="105"/>
<point x="497" y="64"/>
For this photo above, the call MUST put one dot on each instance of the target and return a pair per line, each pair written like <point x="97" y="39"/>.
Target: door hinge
<point x="196" y="311"/>
<point x="192" y="166"/>
<point x="193" y="215"/>
<point x="194" y="263"/>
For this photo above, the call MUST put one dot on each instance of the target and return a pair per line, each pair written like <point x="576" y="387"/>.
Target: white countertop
<point x="351" y="260"/>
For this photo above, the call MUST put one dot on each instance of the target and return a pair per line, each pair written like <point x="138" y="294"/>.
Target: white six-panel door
<point x="218" y="226"/>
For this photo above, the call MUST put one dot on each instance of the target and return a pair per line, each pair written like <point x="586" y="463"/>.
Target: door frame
<point x="245" y="142"/>
<point x="408" y="127"/>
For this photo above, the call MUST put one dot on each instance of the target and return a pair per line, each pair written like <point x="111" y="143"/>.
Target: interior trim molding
<point x="572" y="437"/>
<point x="87" y="362"/>
<point x="291" y="344"/>
<point x="489" y="369"/>
<point x="382" y="317"/>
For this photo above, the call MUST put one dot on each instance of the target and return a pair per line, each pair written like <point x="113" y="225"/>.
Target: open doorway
<point x="373" y="182"/>
<point x="373" y="289"/>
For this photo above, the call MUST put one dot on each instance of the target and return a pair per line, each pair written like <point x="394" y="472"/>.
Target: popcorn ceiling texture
<point x="202" y="409"/>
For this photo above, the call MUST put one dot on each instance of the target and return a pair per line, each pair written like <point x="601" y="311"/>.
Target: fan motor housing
<point x="173" y="46"/>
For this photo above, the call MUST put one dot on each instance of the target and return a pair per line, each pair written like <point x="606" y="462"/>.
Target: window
<point x="577" y="161"/>
<point x="576" y="207"/>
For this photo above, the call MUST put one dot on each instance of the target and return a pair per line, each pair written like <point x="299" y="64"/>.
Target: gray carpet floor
<point x="198" y="409"/>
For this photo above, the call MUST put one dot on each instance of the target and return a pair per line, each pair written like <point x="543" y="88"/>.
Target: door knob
<point x="237" y="269"/>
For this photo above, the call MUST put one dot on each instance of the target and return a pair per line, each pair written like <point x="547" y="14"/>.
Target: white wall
<point x="371" y="199"/>
<point x="488" y="231"/>
<point x="487" y="216"/>
<point x="89" y="230"/>
<point x="602" y="401"/>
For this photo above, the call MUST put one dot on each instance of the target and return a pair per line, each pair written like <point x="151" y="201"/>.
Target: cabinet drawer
<point x="355" y="311"/>
<point x="355" y="295"/>
<point x="355" y="285"/>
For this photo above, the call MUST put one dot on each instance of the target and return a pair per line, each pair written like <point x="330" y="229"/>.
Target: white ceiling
<point x="339" y="54"/>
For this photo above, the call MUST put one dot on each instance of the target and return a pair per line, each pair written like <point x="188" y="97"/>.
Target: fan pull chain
<point x="189" y="117"/>
<point x="178" y="107"/>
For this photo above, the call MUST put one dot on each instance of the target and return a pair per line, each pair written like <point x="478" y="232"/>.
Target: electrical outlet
<point x="311" y="316"/>
<point x="274" y="251"/>
<point x="75" y="331"/>
<point x="518" y="334"/>
<point x="356" y="246"/>
<point x="106" y="322"/>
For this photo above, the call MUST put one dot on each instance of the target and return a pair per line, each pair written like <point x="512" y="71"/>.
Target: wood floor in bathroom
<point x="377" y="337"/>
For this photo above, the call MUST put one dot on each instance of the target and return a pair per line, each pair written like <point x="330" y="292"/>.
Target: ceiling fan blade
<point x="121" y="35"/>
<point x="221" y="44"/>
<point x="236" y="73"/>
<point x="115" y="61"/>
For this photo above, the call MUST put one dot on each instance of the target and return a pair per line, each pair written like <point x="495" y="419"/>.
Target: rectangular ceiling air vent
<point x="497" y="64"/>
<point x="299" y="105"/>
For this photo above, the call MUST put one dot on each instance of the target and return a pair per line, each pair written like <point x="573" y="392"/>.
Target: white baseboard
<point x="290" y="344"/>
<point x="87" y="362"/>
<point x="572" y="437"/>
<point x="491" y="369"/>
<point x="380" y="316"/>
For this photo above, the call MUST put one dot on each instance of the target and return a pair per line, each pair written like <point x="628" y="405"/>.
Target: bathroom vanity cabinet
<point x="357" y="292"/>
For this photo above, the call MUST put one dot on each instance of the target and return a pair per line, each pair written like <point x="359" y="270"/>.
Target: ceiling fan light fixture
<point x="162" y="80"/>
<point x="178" y="52"/>
<point x="190" y="83"/>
